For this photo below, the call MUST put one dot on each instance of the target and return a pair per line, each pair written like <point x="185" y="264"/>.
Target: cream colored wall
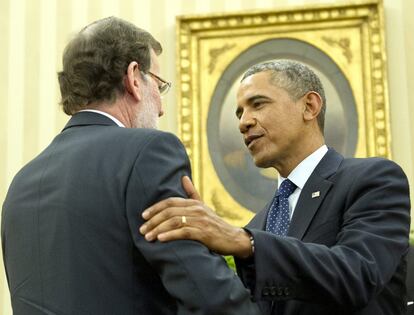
<point x="33" y="34"/>
<point x="400" y="44"/>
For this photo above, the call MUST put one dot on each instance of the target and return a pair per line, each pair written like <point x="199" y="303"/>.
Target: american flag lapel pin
<point x="316" y="194"/>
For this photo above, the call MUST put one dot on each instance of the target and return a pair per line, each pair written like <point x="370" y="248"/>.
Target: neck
<point x="289" y="162"/>
<point x="118" y="109"/>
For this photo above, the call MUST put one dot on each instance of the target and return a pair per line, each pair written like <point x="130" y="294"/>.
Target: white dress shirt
<point x="105" y="114"/>
<point x="301" y="173"/>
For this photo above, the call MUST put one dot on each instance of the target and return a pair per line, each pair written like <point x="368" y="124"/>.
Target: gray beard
<point x="147" y="115"/>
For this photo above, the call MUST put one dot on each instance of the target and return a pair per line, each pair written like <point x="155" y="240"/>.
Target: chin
<point x="261" y="163"/>
<point x="149" y="122"/>
<point x="264" y="161"/>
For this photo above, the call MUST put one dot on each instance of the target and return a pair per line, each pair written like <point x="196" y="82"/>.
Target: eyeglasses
<point x="164" y="87"/>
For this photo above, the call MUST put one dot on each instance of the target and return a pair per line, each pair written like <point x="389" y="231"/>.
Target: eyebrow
<point x="256" y="97"/>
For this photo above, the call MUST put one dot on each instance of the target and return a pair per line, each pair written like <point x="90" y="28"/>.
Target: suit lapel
<point x="307" y="206"/>
<point x="259" y="220"/>
<point x="313" y="193"/>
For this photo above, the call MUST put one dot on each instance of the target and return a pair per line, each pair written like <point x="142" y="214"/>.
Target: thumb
<point x="190" y="189"/>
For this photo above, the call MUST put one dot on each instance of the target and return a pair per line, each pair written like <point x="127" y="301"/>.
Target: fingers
<point x="186" y="233"/>
<point x="168" y="214"/>
<point x="190" y="189"/>
<point x="167" y="203"/>
<point x="176" y="225"/>
<point x="160" y="217"/>
<point x="175" y="201"/>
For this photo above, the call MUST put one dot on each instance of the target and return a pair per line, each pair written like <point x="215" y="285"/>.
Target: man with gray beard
<point x="69" y="223"/>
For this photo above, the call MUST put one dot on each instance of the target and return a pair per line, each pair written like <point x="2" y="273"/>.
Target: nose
<point x="161" y="107"/>
<point x="246" y="122"/>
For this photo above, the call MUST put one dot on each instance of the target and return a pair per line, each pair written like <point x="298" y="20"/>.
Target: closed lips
<point x="250" y="139"/>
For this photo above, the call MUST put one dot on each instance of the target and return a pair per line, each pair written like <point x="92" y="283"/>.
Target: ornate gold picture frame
<point x="343" y="43"/>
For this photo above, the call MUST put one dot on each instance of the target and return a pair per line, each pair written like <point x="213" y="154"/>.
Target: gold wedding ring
<point x="183" y="220"/>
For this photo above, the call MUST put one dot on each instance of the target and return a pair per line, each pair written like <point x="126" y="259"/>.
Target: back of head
<point x="96" y="60"/>
<point x="294" y="77"/>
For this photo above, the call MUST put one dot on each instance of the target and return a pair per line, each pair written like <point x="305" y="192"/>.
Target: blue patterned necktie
<point x="278" y="218"/>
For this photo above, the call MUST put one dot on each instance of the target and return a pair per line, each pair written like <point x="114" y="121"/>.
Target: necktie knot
<point x="286" y="188"/>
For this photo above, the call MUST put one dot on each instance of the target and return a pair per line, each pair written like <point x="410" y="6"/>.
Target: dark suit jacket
<point x="345" y="250"/>
<point x="70" y="230"/>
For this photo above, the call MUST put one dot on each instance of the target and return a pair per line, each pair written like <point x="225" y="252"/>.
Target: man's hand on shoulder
<point x="179" y="218"/>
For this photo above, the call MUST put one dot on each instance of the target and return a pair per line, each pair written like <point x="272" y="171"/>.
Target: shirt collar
<point x="304" y="169"/>
<point x="105" y="114"/>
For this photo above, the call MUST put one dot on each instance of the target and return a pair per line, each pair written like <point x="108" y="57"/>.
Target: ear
<point x="312" y="105"/>
<point x="131" y="82"/>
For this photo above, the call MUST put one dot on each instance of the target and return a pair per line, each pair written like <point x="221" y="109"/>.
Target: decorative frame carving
<point x="350" y="34"/>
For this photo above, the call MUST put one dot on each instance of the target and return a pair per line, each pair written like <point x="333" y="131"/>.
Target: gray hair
<point x="96" y="60"/>
<point x="294" y="77"/>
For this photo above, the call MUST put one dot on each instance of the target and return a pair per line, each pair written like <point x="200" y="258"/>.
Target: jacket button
<point x="265" y="291"/>
<point x="279" y="291"/>
<point x="286" y="291"/>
